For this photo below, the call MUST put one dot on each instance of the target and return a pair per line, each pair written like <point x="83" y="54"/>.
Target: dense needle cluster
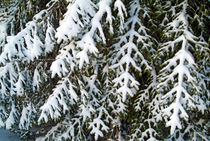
<point x="105" y="69"/>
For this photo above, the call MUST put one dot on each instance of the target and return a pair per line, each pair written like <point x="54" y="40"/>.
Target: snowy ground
<point x="8" y="136"/>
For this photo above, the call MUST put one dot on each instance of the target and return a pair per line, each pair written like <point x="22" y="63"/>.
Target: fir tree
<point x="180" y="82"/>
<point x="105" y="69"/>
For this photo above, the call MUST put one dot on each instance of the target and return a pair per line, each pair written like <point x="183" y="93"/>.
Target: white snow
<point x="64" y="61"/>
<point x="56" y="104"/>
<point x="181" y="72"/>
<point x="71" y="25"/>
<point x="121" y="12"/>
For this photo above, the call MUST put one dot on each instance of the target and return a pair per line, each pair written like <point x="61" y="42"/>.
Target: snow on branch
<point x="36" y="80"/>
<point x="149" y="133"/>
<point x="91" y="108"/>
<point x="28" y="44"/>
<point x="87" y="44"/>
<point x="57" y="103"/>
<point x="179" y="78"/>
<point x="64" y="61"/>
<point x="127" y="55"/>
<point x="7" y="19"/>
<point x="73" y="130"/>
<point x="121" y="12"/>
<point x="11" y="120"/>
<point x="98" y="125"/>
<point x="26" y="116"/>
<point x="144" y="94"/>
<point x="89" y="97"/>
<point x="19" y="85"/>
<point x="78" y="15"/>
<point x="182" y="96"/>
<point x="8" y="73"/>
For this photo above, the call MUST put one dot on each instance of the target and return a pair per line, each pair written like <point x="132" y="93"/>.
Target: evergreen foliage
<point x="105" y="69"/>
